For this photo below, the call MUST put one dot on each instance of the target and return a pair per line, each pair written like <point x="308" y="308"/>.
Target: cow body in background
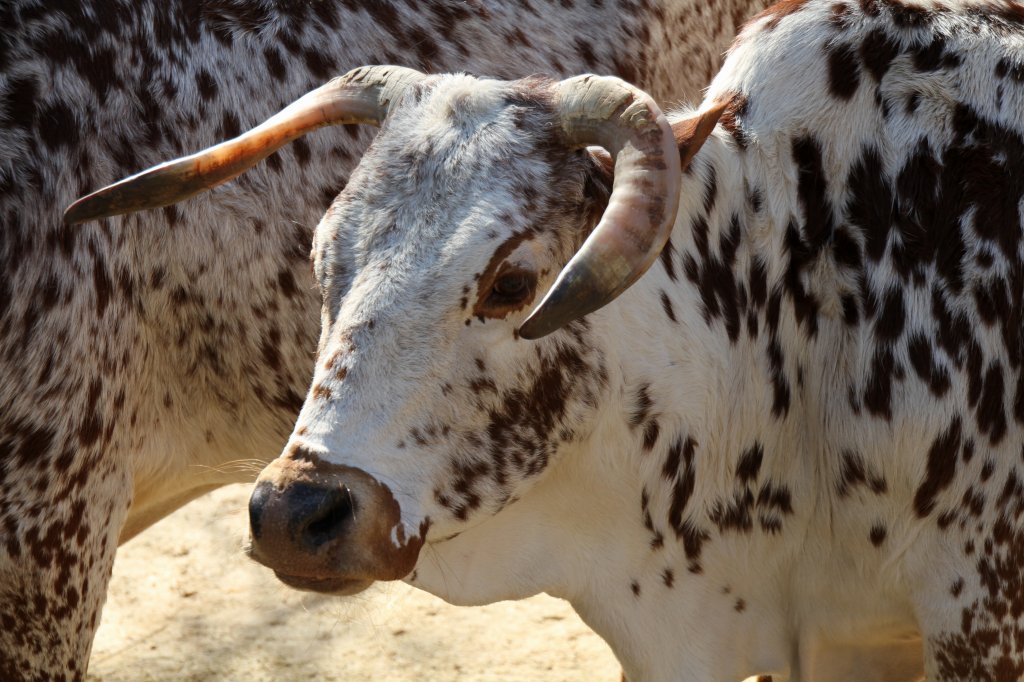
<point x="148" y="359"/>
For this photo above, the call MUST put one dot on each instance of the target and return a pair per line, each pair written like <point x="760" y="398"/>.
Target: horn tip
<point x="541" y="321"/>
<point x="531" y="331"/>
<point x="79" y="212"/>
<point x="549" y="319"/>
<point x="571" y="297"/>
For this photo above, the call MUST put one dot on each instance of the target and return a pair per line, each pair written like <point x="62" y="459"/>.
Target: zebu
<point x="146" y="360"/>
<point x="801" y="429"/>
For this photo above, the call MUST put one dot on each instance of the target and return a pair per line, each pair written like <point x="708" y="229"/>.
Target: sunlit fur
<point x="142" y="357"/>
<point x="800" y="432"/>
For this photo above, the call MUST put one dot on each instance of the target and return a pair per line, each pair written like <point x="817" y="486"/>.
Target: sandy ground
<point x="185" y="604"/>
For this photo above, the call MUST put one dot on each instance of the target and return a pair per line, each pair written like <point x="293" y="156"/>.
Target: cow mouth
<point x="340" y="587"/>
<point x="327" y="528"/>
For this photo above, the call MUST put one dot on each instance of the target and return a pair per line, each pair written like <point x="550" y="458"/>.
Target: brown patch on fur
<point x="735" y="110"/>
<point x="333" y="359"/>
<point x="778" y="12"/>
<point x="878" y="534"/>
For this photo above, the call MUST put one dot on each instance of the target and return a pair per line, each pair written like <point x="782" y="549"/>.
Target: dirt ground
<point x="185" y="604"/>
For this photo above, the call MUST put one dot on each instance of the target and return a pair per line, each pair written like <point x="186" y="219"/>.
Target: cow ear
<point x="691" y="132"/>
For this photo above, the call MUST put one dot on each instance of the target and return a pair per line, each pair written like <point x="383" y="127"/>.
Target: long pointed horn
<point x="610" y="113"/>
<point x="363" y="95"/>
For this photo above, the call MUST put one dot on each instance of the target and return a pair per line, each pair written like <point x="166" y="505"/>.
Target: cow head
<point x="435" y="403"/>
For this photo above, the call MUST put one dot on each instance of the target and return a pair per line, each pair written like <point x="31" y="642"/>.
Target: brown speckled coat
<point x="146" y="360"/>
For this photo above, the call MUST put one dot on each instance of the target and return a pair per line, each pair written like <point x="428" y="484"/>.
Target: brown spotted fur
<point x="801" y="432"/>
<point x="140" y="357"/>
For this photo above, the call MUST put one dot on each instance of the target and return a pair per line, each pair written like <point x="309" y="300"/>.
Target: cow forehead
<point x="459" y="167"/>
<point x="427" y="162"/>
<point x="448" y="131"/>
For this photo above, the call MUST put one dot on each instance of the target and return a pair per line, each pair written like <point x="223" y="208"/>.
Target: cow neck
<point x="699" y="449"/>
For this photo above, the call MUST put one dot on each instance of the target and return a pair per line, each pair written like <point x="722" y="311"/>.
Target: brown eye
<point x="512" y="286"/>
<point x="510" y="290"/>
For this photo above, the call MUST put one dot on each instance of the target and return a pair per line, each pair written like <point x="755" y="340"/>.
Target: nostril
<point x="257" y="503"/>
<point x="320" y="514"/>
<point x="331" y="519"/>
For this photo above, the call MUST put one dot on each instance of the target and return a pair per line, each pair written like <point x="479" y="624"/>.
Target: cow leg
<point x="60" y="514"/>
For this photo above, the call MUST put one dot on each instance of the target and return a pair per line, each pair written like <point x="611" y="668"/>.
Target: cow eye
<point x="511" y="287"/>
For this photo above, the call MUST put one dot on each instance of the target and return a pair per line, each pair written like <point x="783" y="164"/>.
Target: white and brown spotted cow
<point x="146" y="360"/>
<point x="799" y="432"/>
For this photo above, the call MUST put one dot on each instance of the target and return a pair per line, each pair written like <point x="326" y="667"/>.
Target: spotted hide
<point x="799" y="432"/>
<point x="146" y="360"/>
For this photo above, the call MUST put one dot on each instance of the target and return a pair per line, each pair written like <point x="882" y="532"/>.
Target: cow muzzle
<point x="328" y="528"/>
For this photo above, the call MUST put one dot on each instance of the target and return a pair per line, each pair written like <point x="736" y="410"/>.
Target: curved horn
<point x="610" y="113"/>
<point x="363" y="95"/>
